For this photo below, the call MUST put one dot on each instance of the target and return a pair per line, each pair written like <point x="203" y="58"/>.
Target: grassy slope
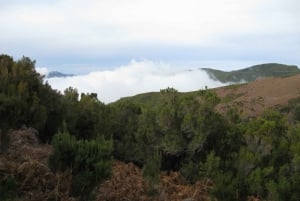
<point x="152" y="99"/>
<point x="254" y="72"/>
<point x="242" y="92"/>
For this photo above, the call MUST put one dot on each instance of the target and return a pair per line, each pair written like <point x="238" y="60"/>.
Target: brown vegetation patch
<point x="127" y="183"/>
<point x="37" y="182"/>
<point x="259" y="95"/>
<point x="26" y="160"/>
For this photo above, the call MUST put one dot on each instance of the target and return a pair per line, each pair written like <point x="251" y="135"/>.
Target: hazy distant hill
<point x="254" y="72"/>
<point x="53" y="74"/>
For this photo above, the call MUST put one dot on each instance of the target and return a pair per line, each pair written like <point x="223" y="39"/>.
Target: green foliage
<point x="297" y="113"/>
<point x="167" y="130"/>
<point x="64" y="152"/>
<point x="225" y="187"/>
<point x="85" y="117"/>
<point x="293" y="108"/>
<point x="168" y="90"/>
<point x="26" y="100"/>
<point x="124" y="121"/>
<point x="151" y="171"/>
<point x="209" y="169"/>
<point x="4" y="141"/>
<point x="8" y="187"/>
<point x="89" y="161"/>
<point x="254" y="72"/>
<point x="190" y="170"/>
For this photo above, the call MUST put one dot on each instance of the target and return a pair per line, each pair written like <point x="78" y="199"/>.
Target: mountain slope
<point x="256" y="96"/>
<point x="252" y="97"/>
<point x="253" y="73"/>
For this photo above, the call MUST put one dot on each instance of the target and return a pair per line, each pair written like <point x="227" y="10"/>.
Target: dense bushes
<point x="89" y="161"/>
<point x="263" y="166"/>
<point x="243" y="157"/>
<point x="182" y="132"/>
<point x="25" y="100"/>
<point x="151" y="172"/>
<point x="7" y="187"/>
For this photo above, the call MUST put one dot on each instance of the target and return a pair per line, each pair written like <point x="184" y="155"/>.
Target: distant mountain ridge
<point x="252" y="73"/>
<point x="53" y="74"/>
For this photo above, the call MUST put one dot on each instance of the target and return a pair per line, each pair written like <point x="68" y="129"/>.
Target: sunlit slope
<point x="253" y="73"/>
<point x="252" y="98"/>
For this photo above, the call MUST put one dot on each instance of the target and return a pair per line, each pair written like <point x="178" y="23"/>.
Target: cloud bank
<point x="134" y="78"/>
<point x="42" y="70"/>
<point x="59" y="32"/>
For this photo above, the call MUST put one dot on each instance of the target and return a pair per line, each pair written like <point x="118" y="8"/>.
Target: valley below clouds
<point x="134" y="78"/>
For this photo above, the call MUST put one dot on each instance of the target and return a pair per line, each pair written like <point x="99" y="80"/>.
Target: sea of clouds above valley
<point x="135" y="78"/>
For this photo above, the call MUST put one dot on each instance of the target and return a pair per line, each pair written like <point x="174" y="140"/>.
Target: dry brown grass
<point x="253" y="98"/>
<point x="127" y="183"/>
<point x="26" y="160"/>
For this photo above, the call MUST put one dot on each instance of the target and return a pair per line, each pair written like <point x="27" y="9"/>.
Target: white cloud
<point x="136" y="77"/>
<point x="114" y="22"/>
<point x="59" y="29"/>
<point x="42" y="70"/>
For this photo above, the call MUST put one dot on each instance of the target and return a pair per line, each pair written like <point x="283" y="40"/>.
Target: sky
<point x="123" y="47"/>
<point x="78" y="36"/>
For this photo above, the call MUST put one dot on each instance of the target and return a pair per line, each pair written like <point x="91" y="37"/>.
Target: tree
<point x="124" y="121"/>
<point x="25" y="99"/>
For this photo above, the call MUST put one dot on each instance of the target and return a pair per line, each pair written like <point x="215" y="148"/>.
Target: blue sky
<point x="79" y="36"/>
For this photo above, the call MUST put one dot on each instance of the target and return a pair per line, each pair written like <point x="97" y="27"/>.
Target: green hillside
<point x="152" y="99"/>
<point x="254" y="72"/>
<point x="155" y="99"/>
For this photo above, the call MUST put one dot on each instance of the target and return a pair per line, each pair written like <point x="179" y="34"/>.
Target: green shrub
<point x="7" y="188"/>
<point x="151" y="172"/>
<point x="90" y="161"/>
<point x="190" y="170"/>
<point x="297" y="113"/>
<point x="4" y="141"/>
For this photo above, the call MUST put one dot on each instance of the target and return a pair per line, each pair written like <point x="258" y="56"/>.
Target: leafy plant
<point x="8" y="187"/>
<point x="151" y="172"/>
<point x="89" y="161"/>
